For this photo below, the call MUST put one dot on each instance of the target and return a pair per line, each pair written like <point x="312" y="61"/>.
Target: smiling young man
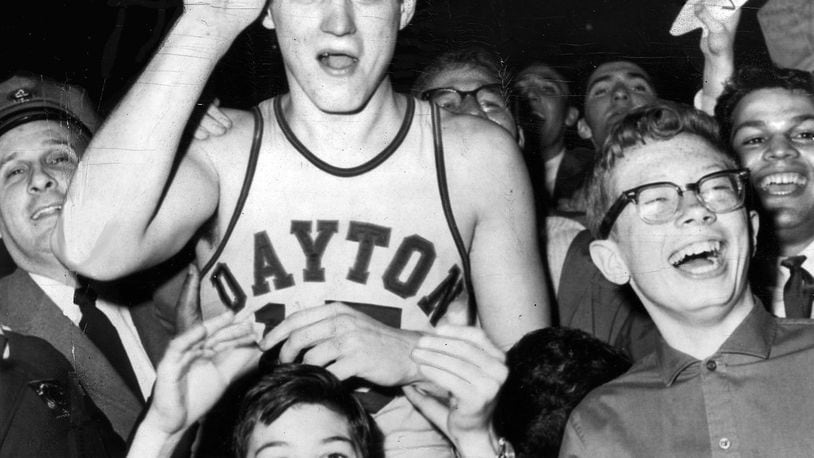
<point x="365" y="217"/>
<point x="768" y="118"/>
<point x="727" y="377"/>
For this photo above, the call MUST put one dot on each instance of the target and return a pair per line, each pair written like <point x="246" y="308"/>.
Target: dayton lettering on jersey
<point x="271" y="272"/>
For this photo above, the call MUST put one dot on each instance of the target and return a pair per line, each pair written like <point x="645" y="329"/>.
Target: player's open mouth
<point x="782" y="184"/>
<point x="48" y="210"/>
<point x="337" y="61"/>
<point x="699" y="258"/>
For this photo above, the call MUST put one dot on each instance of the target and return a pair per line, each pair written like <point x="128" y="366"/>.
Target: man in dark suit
<point x="112" y="343"/>
<point x="544" y="114"/>
<point x="43" y="410"/>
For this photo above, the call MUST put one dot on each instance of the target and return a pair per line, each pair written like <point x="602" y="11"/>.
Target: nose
<point x="779" y="147"/>
<point x="40" y="180"/>
<point x="339" y="19"/>
<point x="692" y="211"/>
<point x="469" y="105"/>
<point x="620" y="93"/>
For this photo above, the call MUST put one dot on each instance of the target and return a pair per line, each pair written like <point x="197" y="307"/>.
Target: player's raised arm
<point x="128" y="207"/>
<point x="486" y="172"/>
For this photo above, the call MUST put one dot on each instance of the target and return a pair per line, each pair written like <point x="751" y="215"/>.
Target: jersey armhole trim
<point x="443" y="188"/>
<point x="257" y="140"/>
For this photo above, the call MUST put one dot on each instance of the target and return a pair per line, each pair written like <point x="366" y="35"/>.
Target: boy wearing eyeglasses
<point x="668" y="214"/>
<point x="469" y="81"/>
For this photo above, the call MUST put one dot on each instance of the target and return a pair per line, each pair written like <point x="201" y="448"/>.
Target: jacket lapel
<point x="25" y="308"/>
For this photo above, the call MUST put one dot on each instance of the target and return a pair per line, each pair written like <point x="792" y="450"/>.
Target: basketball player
<point x="340" y="190"/>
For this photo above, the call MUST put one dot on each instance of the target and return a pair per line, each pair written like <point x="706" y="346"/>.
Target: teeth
<point x="712" y="247"/>
<point x="46" y="211"/>
<point x="783" y="178"/>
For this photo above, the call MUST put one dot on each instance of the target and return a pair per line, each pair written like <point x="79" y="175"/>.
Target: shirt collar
<point x="753" y="337"/>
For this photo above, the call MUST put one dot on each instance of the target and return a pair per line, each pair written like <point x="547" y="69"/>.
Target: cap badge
<point x="20" y="95"/>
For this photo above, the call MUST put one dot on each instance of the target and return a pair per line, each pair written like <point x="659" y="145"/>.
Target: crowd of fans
<point x="437" y="274"/>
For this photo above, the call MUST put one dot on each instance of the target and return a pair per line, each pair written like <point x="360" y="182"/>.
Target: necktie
<point x="797" y="294"/>
<point x="101" y="332"/>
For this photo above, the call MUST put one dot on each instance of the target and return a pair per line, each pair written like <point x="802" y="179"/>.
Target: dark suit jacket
<point x="26" y="309"/>
<point x="43" y="411"/>
<point x="574" y="168"/>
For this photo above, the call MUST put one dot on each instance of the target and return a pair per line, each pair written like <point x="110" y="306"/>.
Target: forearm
<point x="119" y="182"/>
<point x="717" y="70"/>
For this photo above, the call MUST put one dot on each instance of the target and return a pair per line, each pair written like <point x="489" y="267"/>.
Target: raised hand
<point x="214" y="122"/>
<point x="196" y="370"/>
<point x="717" y="37"/>
<point x="225" y="18"/>
<point x="717" y="45"/>
<point x="464" y="362"/>
<point x="348" y="343"/>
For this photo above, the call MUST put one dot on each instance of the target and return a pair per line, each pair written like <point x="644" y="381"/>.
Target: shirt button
<point x="712" y="365"/>
<point x="724" y="443"/>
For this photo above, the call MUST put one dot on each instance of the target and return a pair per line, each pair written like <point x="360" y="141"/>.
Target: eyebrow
<point x="629" y="75"/>
<point x="326" y="440"/>
<point x="7" y="159"/>
<point x="757" y="124"/>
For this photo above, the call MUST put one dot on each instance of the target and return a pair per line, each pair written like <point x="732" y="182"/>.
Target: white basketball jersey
<point x="379" y="237"/>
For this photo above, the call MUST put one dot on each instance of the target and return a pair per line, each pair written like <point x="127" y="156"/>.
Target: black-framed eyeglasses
<point x="657" y="203"/>
<point x="489" y="97"/>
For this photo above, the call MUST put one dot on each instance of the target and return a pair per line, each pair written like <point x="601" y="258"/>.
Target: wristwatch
<point x="505" y="449"/>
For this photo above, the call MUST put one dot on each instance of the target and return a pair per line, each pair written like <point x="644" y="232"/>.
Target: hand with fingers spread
<point x="348" y="343"/>
<point x="463" y="361"/>
<point x="214" y="122"/>
<point x="718" y="47"/>
<point x="217" y="352"/>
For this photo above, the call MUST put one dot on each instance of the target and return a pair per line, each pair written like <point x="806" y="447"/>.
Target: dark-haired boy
<point x="668" y="213"/>
<point x="767" y="115"/>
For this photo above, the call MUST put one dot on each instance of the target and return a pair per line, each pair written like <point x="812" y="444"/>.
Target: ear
<point x="521" y="136"/>
<point x="754" y="225"/>
<point x="407" y="11"/>
<point x="268" y="21"/>
<point x="584" y="130"/>
<point x="607" y="258"/>
<point x="571" y="116"/>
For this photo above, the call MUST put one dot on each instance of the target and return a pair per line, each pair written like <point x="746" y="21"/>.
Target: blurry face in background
<point x="303" y="431"/>
<point x="544" y="111"/>
<point x="614" y="89"/>
<point x="37" y="162"/>
<point x="489" y="104"/>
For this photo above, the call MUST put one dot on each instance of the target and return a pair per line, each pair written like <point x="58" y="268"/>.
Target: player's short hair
<point x="751" y="78"/>
<point x="472" y="56"/>
<point x="658" y="121"/>
<point x="289" y="385"/>
<point x="550" y="371"/>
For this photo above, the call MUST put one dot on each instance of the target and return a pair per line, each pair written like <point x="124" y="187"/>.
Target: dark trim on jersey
<point x="443" y="188"/>
<point x="257" y="140"/>
<point x="349" y="171"/>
